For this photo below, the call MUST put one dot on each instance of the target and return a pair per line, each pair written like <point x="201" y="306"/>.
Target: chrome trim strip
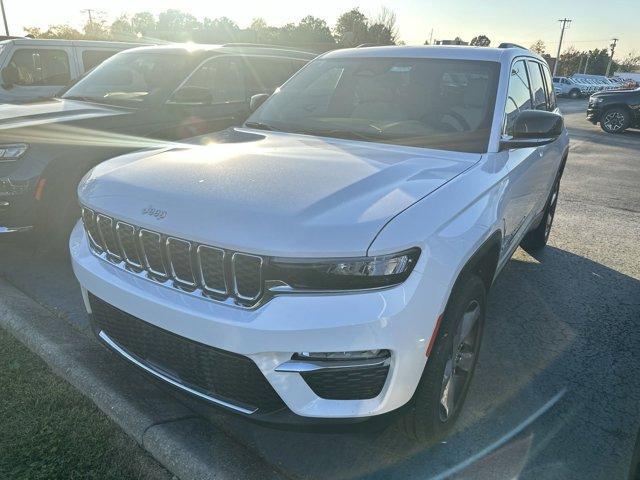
<point x="144" y="253"/>
<point x="92" y="219"/>
<point x="203" y="282"/>
<point x="14" y="229"/>
<point x="105" y="338"/>
<point x="126" y="257"/>
<point x="304" y="366"/>
<point x="172" y="271"/>
<point x="235" y="277"/>
<point x="98" y="218"/>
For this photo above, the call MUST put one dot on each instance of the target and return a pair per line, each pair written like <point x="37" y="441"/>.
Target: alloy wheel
<point x="551" y="211"/>
<point x="614" y="121"/>
<point x="462" y="359"/>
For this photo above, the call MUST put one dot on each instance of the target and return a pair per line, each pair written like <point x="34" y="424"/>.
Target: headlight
<point x="344" y="274"/>
<point x="12" y="151"/>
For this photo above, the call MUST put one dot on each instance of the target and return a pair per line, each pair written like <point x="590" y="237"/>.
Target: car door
<point x="223" y="77"/>
<point x="38" y="72"/>
<point x="550" y="155"/>
<point x="521" y="192"/>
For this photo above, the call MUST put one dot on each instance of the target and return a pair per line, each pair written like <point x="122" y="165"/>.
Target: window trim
<point x="544" y="84"/>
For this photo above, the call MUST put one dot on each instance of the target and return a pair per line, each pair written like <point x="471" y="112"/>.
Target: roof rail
<point x="266" y="45"/>
<point x="511" y="45"/>
<point x="365" y="45"/>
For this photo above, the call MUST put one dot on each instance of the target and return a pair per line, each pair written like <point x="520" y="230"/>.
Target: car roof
<point x="39" y="42"/>
<point x="200" y="49"/>
<point x="454" y="52"/>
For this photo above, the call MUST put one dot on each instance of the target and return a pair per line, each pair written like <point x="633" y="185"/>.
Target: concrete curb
<point x="186" y="445"/>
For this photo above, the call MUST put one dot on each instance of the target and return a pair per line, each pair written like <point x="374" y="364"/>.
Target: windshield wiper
<point x="260" y="126"/>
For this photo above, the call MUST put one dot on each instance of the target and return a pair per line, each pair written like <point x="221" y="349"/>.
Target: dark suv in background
<point x="137" y="99"/>
<point x="615" y="110"/>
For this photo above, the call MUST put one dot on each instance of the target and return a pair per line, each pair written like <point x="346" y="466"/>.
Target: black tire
<point x="537" y="238"/>
<point x="575" y="93"/>
<point x="615" y="120"/>
<point x="58" y="217"/>
<point x="428" y="419"/>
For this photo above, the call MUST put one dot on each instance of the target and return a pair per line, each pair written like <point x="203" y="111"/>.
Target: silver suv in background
<point x="570" y="87"/>
<point x="34" y="69"/>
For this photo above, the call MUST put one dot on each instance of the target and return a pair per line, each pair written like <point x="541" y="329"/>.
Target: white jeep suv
<point x="331" y="258"/>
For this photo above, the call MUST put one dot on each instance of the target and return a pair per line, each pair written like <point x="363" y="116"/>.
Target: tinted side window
<point x="537" y="86"/>
<point x="266" y="74"/>
<point x="31" y="67"/>
<point x="91" y="58"/>
<point x="223" y="77"/>
<point x="518" y="96"/>
<point x="551" y="94"/>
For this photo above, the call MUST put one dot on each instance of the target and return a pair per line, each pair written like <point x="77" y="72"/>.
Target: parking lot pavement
<point x="557" y="386"/>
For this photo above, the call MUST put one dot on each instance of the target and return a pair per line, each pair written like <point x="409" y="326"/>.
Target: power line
<point x="564" y="21"/>
<point x="613" y="49"/>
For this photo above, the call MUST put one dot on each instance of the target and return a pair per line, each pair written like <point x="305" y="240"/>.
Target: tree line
<point x="592" y="62"/>
<point x="351" y="29"/>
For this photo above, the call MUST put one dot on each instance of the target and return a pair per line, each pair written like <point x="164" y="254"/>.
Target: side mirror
<point x="533" y="128"/>
<point x="192" y="96"/>
<point x="9" y="76"/>
<point x="257" y="100"/>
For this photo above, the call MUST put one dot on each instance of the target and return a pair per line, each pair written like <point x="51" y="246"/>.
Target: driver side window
<point x="222" y="77"/>
<point x="518" y="96"/>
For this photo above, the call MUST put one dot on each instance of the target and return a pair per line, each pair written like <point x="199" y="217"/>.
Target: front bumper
<point x="17" y="206"/>
<point x="397" y="319"/>
<point x="594" y="113"/>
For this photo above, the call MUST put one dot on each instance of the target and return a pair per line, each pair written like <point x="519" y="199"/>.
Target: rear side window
<point x="92" y="58"/>
<point x="34" y="67"/>
<point x="518" y="96"/>
<point x="538" y="92"/>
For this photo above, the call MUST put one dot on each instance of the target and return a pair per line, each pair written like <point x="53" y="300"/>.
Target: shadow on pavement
<point x="555" y="384"/>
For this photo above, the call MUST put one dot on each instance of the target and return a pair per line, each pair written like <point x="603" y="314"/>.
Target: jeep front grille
<point x="212" y="272"/>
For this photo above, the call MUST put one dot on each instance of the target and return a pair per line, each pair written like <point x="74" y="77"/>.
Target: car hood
<point x="58" y="110"/>
<point x="271" y="193"/>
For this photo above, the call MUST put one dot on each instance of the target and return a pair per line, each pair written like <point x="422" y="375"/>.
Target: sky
<point x="594" y="22"/>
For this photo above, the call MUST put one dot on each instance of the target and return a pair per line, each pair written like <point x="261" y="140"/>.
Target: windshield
<point x="131" y="79"/>
<point x="442" y="104"/>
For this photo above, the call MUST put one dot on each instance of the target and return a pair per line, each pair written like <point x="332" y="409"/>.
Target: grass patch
<point x="48" y="430"/>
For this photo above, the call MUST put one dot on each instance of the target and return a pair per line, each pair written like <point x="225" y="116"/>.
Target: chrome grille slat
<point x="127" y="239"/>
<point x="107" y="233"/>
<point x="211" y="269"/>
<point x="244" y="267"/>
<point x="197" y="269"/>
<point x="151" y="245"/>
<point x="179" y="254"/>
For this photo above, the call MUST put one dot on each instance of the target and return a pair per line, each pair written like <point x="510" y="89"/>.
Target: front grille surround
<point x="209" y="272"/>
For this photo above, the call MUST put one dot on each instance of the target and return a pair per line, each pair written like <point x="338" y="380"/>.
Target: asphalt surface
<point x="557" y="388"/>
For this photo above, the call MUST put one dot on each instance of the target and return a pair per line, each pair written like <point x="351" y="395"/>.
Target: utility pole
<point x="564" y="21"/>
<point x="4" y="17"/>
<point x="613" y="49"/>
<point x="430" y="36"/>
<point x="586" y="64"/>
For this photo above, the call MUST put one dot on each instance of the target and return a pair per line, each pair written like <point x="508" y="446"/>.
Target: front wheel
<point x="575" y="93"/>
<point x="446" y="378"/>
<point x="615" y="120"/>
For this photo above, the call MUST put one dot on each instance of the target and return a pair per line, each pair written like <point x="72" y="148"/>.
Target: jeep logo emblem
<point x="154" y="212"/>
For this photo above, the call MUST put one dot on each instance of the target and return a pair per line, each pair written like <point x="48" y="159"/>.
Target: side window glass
<point x="35" y="67"/>
<point x="551" y="94"/>
<point x="518" y="96"/>
<point x="537" y="86"/>
<point x="267" y="74"/>
<point x="92" y="58"/>
<point x="223" y="78"/>
<point x="229" y="81"/>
